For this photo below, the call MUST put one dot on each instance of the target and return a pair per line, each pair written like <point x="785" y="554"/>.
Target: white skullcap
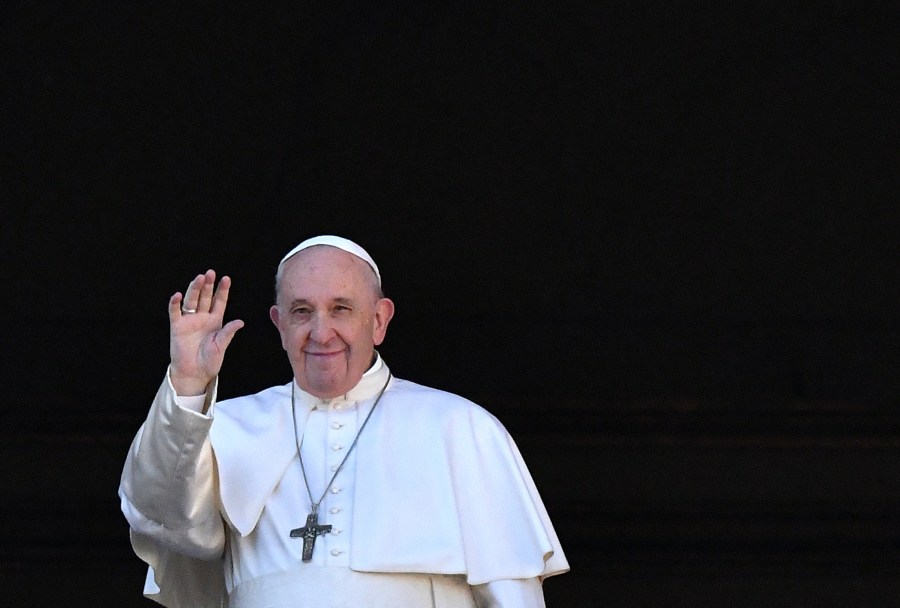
<point x="335" y="241"/>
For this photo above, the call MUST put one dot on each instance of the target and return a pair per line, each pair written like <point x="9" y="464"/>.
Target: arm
<point x="168" y="485"/>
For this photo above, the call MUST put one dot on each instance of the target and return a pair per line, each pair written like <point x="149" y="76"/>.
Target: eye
<point x="301" y="310"/>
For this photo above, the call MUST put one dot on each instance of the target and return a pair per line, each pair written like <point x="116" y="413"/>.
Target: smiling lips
<point x="317" y="354"/>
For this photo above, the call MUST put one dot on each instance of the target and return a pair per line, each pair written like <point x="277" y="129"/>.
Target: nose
<point x="321" y="329"/>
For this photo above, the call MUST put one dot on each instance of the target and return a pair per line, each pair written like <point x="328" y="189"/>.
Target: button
<point x="336" y="447"/>
<point x="335" y="510"/>
<point x="336" y="552"/>
<point x="335" y="490"/>
<point x="337" y="425"/>
<point x="334" y="467"/>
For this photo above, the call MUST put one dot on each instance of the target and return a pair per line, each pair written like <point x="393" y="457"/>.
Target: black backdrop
<point x="607" y="205"/>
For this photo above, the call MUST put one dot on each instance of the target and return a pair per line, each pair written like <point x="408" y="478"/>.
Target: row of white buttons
<point x="337" y="445"/>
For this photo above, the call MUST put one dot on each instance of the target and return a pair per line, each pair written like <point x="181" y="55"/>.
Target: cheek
<point x="291" y="336"/>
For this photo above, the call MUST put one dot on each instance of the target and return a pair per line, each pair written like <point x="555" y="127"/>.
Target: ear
<point x="273" y="314"/>
<point x="276" y="320"/>
<point x="384" y="312"/>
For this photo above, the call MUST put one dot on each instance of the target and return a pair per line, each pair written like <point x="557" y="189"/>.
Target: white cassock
<point x="433" y="507"/>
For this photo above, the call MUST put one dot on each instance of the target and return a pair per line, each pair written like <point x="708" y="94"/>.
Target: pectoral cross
<point x="309" y="532"/>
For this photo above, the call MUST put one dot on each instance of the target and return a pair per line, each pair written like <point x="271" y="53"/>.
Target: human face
<point x="330" y="317"/>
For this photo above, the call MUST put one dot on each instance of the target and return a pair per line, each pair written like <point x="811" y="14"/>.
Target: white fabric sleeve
<point x="514" y="593"/>
<point x="168" y="487"/>
<point x="193" y="403"/>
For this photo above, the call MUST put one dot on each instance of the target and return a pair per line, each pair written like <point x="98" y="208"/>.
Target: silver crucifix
<point x="309" y="532"/>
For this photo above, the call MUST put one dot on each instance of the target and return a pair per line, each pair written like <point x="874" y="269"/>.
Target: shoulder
<point x="406" y="390"/>
<point x="412" y="398"/>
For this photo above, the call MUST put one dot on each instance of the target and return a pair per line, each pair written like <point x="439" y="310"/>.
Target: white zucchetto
<point x="335" y="241"/>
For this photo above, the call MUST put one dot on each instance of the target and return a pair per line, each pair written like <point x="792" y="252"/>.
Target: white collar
<point x="368" y="386"/>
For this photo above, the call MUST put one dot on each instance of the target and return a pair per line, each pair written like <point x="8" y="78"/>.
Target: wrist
<point x="186" y="385"/>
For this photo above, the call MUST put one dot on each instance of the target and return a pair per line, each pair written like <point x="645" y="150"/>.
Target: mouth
<point x="322" y="355"/>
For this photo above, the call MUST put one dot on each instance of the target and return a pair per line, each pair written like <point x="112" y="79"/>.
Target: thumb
<point x="226" y="334"/>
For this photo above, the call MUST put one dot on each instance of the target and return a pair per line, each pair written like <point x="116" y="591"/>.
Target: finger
<point x="175" y="305"/>
<point x="224" y="337"/>
<point x="221" y="296"/>
<point x="192" y="294"/>
<point x="204" y="300"/>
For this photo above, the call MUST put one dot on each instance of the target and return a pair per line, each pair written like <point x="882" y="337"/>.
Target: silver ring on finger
<point x="188" y="311"/>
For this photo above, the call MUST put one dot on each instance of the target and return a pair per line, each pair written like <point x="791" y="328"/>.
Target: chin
<point x="328" y="390"/>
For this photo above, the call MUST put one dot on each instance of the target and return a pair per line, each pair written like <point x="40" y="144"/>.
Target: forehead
<point x="323" y="268"/>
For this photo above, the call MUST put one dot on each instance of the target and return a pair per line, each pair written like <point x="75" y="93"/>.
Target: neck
<point x="367" y="387"/>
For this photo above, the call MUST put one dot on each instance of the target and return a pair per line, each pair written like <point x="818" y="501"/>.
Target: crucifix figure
<point x="309" y="532"/>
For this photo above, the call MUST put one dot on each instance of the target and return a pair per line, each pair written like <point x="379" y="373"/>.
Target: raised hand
<point x="197" y="336"/>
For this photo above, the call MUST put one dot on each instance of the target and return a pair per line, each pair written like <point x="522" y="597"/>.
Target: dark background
<point x="674" y="226"/>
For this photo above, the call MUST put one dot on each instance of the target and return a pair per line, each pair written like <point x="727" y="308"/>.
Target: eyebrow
<point x="340" y="300"/>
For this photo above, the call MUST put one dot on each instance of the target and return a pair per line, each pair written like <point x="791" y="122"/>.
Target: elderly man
<point x="345" y="487"/>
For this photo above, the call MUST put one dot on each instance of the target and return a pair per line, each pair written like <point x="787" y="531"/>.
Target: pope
<point x="346" y="486"/>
